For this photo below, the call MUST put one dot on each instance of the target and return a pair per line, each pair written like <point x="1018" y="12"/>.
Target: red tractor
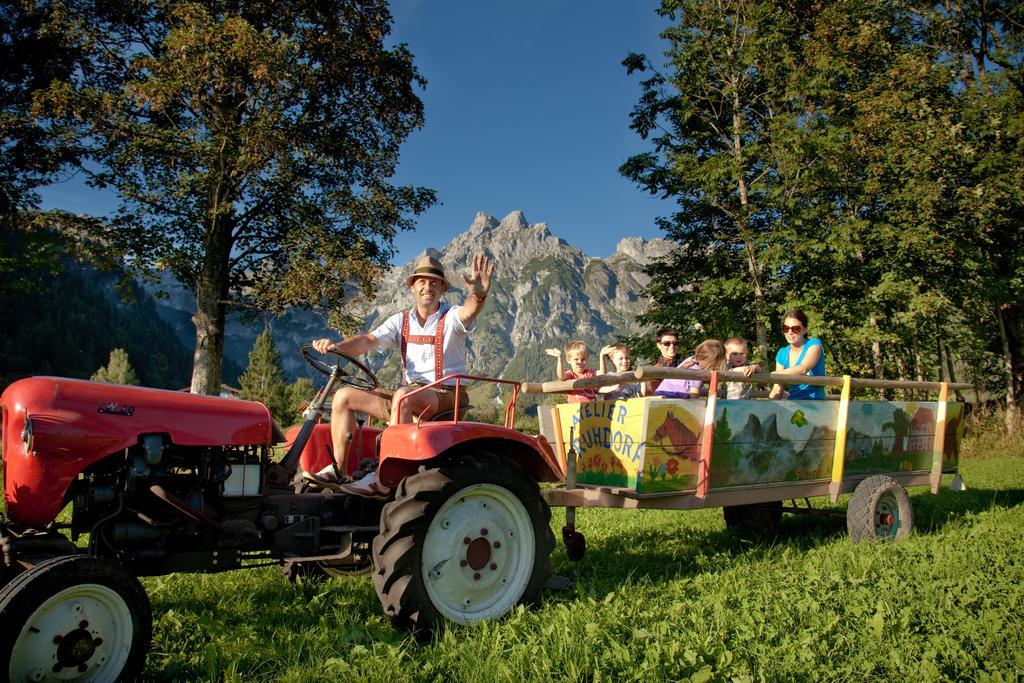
<point x="162" y="482"/>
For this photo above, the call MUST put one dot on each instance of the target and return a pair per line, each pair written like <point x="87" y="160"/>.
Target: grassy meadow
<point x="661" y="596"/>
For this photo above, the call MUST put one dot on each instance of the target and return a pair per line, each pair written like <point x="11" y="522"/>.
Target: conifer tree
<point x="118" y="370"/>
<point x="299" y="394"/>
<point x="263" y="380"/>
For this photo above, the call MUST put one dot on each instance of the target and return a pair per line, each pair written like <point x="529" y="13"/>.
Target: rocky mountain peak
<point x="482" y="223"/>
<point x="545" y="292"/>
<point x="515" y="221"/>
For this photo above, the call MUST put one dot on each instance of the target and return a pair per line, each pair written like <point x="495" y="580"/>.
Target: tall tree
<point x="31" y="155"/>
<point x="983" y="45"/>
<point x="726" y="130"/>
<point x="883" y="179"/>
<point x="883" y="187"/>
<point x="252" y="145"/>
<point x="30" y="58"/>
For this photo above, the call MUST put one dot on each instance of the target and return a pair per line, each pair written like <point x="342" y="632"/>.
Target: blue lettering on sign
<point x="601" y="436"/>
<point x="627" y="449"/>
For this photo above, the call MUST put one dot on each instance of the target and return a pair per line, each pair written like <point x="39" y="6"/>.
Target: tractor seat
<point x="448" y="415"/>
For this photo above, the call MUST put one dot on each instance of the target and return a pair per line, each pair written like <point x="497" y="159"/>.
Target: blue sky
<point x="527" y="107"/>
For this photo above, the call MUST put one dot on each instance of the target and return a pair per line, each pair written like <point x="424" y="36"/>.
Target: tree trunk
<point x="1013" y="316"/>
<point x="876" y="355"/>
<point x="761" y="322"/>
<point x="952" y="372"/>
<point x="211" y="303"/>
<point x="1007" y="363"/>
<point x="208" y="360"/>
<point x="915" y="355"/>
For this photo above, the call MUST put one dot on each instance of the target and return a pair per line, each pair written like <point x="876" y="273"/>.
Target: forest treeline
<point x="66" y="323"/>
<point x="862" y="160"/>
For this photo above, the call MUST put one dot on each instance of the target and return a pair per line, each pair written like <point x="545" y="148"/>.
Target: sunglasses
<point x="669" y="343"/>
<point x="795" y="329"/>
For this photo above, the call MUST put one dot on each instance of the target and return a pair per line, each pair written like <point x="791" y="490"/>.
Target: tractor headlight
<point x="27" y="435"/>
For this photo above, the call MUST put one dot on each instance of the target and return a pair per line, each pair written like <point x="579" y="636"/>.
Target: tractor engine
<point x="160" y="500"/>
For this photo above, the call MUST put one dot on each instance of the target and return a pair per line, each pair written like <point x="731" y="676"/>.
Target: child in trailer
<point x="709" y="355"/>
<point x="736" y="359"/>
<point x="619" y="353"/>
<point x="577" y="356"/>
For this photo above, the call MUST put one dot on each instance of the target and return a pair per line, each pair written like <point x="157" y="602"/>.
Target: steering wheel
<point x="352" y="372"/>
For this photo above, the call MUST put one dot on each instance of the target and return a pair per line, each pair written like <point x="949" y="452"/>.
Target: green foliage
<point x="300" y="392"/>
<point x="118" y="370"/>
<point x="660" y="596"/>
<point x="30" y="155"/>
<point x="253" y="147"/>
<point x="263" y="379"/>
<point x="839" y="157"/>
<point x="67" y="325"/>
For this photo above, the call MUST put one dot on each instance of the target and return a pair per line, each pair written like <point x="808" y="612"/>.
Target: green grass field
<point x="660" y="596"/>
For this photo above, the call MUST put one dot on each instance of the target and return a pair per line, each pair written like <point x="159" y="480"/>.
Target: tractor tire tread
<point x="21" y="596"/>
<point x="395" y="551"/>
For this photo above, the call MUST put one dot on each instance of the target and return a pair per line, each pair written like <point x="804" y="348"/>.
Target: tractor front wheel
<point x="465" y="542"/>
<point x="77" y="618"/>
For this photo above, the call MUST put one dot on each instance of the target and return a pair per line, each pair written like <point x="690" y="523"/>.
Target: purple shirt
<point x="680" y="388"/>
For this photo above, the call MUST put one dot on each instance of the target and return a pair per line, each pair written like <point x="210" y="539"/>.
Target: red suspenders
<point x="437" y="340"/>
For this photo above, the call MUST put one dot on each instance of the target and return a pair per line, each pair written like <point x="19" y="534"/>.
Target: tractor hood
<point x="53" y="428"/>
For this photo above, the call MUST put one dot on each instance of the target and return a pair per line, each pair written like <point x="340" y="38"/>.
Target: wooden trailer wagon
<point x="750" y="457"/>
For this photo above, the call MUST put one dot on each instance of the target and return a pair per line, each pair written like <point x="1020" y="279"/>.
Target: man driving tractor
<point x="432" y="340"/>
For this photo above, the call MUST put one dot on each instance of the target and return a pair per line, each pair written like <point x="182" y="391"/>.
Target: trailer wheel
<point x="462" y="543"/>
<point x="74" y="618"/>
<point x="879" y="509"/>
<point x="762" y="519"/>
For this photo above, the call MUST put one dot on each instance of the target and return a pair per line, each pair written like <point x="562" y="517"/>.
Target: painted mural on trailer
<point x="772" y="441"/>
<point x="672" y="447"/>
<point x="884" y="436"/>
<point x="653" y="445"/>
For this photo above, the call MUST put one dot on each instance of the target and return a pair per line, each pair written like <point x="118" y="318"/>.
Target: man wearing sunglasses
<point x="667" y="341"/>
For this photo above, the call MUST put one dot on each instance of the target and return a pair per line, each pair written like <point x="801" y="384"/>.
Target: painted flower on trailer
<point x="672" y="466"/>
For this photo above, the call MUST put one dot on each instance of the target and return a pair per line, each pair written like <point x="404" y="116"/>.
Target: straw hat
<point x="428" y="266"/>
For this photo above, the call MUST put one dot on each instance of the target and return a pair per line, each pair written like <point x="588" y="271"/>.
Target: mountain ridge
<point x="545" y="292"/>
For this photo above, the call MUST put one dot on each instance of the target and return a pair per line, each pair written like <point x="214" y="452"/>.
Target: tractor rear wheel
<point x="465" y="542"/>
<point x="879" y="510"/>
<point x="76" y="618"/>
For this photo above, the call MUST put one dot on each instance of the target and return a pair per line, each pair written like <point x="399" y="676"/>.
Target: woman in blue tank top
<point x="802" y="356"/>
